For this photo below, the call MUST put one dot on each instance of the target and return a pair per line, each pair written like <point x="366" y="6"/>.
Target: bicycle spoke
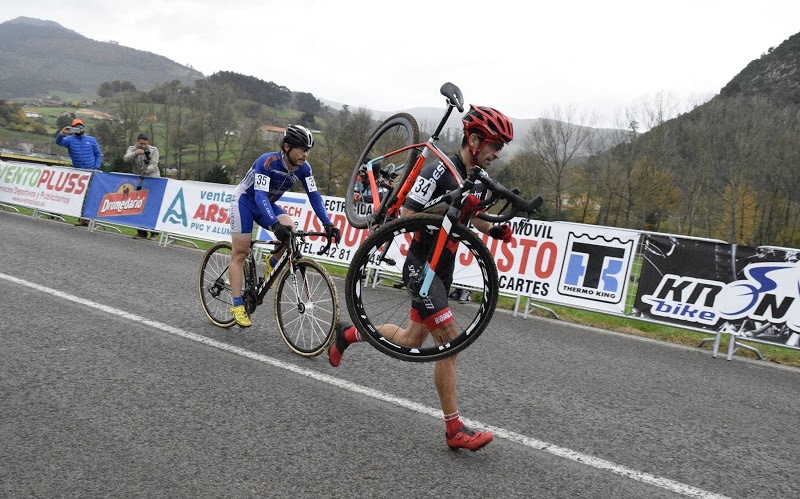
<point x="396" y="133"/>
<point x="306" y="308"/>
<point x="214" y="285"/>
<point x="380" y="305"/>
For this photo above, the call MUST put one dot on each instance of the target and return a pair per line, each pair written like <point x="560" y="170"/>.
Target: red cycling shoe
<point x="336" y="350"/>
<point x="468" y="439"/>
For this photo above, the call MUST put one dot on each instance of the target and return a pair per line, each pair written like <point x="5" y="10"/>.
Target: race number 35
<point x="262" y="182"/>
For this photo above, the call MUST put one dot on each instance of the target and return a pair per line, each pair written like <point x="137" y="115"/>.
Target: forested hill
<point x="775" y="74"/>
<point x="727" y="169"/>
<point x="41" y="57"/>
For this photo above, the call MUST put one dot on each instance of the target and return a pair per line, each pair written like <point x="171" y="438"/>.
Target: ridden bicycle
<point x="378" y="270"/>
<point x="306" y="305"/>
<point x="396" y="141"/>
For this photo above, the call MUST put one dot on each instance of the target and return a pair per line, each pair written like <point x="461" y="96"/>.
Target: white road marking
<point x="584" y="459"/>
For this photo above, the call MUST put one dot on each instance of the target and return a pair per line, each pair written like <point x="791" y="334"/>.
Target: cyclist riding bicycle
<point x="255" y="198"/>
<point x="486" y="131"/>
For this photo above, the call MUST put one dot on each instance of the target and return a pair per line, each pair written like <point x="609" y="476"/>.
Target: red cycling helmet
<point x="489" y="123"/>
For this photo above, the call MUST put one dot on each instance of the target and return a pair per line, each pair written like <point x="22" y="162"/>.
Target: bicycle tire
<point x="214" y="285"/>
<point x="371" y="305"/>
<point x="398" y="131"/>
<point x="307" y="328"/>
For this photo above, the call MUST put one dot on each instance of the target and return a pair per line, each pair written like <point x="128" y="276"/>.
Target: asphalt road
<point x="114" y="384"/>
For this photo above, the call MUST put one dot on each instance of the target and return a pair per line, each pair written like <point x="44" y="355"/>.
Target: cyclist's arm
<point x="310" y="186"/>
<point x="261" y="184"/>
<point x="431" y="183"/>
<point x="405" y="211"/>
<point x="481" y="225"/>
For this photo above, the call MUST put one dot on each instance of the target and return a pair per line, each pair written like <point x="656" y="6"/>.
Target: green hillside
<point x="40" y="58"/>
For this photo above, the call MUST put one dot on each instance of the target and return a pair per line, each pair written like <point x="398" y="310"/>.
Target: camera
<point x="147" y="156"/>
<point x="74" y="129"/>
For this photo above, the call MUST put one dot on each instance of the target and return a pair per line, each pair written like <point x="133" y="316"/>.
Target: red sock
<point x="351" y="335"/>
<point x="453" y="423"/>
<point x="336" y="350"/>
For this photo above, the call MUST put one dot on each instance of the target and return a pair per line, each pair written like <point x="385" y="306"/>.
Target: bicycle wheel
<point x="398" y="131"/>
<point x="214" y="285"/>
<point x="306" y="308"/>
<point x="375" y="296"/>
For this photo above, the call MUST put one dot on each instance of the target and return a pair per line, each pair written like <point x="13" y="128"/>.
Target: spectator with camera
<point x="84" y="151"/>
<point x="144" y="162"/>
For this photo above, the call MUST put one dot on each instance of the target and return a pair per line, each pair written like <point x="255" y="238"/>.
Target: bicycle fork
<point x="302" y="289"/>
<point x="428" y="272"/>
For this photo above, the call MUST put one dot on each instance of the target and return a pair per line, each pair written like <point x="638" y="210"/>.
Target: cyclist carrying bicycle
<point x="486" y="131"/>
<point x="255" y="198"/>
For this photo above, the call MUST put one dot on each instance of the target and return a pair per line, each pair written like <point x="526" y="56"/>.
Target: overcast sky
<point x="523" y="57"/>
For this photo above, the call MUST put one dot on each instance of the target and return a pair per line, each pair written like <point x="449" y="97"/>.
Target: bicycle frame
<point x="388" y="207"/>
<point x="261" y="285"/>
<point x="391" y="207"/>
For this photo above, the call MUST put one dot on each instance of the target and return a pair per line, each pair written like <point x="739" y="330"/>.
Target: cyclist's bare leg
<point x="444" y="377"/>
<point x="444" y="371"/>
<point x="413" y="335"/>
<point x="284" y="219"/>
<point x="240" y="247"/>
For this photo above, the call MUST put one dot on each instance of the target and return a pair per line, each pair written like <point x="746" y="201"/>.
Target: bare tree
<point x="652" y="191"/>
<point x="219" y="100"/>
<point x="250" y="146"/>
<point x="131" y="113"/>
<point x="357" y="131"/>
<point x="332" y="167"/>
<point x="174" y="119"/>
<point x="554" y="143"/>
<point x="198" y="130"/>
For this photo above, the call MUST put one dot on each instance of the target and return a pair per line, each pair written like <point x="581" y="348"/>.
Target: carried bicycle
<point x="377" y="302"/>
<point x="395" y="143"/>
<point x="306" y="305"/>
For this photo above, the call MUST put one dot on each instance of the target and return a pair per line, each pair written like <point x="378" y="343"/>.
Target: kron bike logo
<point x="595" y="268"/>
<point x="769" y="293"/>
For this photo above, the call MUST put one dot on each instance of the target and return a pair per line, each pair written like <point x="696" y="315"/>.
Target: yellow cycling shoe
<point x="268" y="265"/>
<point x="240" y="316"/>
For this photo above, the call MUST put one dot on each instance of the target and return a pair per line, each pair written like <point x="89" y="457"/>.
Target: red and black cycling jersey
<point x="434" y="180"/>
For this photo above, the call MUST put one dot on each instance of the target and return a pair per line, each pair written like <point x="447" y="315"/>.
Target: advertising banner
<point x="196" y="209"/>
<point x="571" y="264"/>
<point x="114" y="198"/>
<point x="52" y="189"/>
<point x="299" y="208"/>
<point x="568" y="264"/>
<point x="753" y="292"/>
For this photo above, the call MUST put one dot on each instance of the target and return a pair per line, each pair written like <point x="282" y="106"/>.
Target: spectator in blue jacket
<point x="84" y="151"/>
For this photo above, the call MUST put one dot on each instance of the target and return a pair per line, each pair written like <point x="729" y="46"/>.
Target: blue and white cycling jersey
<point x="267" y="180"/>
